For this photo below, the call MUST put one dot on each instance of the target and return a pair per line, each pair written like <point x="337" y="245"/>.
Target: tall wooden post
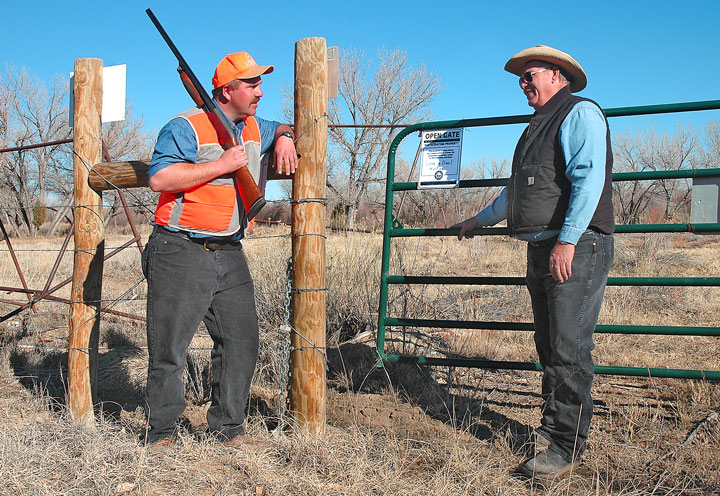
<point x="307" y="390"/>
<point x="89" y="241"/>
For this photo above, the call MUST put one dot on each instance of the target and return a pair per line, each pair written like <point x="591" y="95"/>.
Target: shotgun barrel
<point x="251" y="195"/>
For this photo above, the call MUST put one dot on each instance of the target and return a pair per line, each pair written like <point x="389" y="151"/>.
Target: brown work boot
<point x="242" y="440"/>
<point x="164" y="445"/>
<point x="545" y="465"/>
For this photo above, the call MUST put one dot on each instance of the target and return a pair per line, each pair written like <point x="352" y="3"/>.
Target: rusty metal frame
<point x="36" y="295"/>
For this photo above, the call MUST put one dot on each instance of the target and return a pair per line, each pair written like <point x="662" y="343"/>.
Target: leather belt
<point x="211" y="244"/>
<point x="544" y="243"/>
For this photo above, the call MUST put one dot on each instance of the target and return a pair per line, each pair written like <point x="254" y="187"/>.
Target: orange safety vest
<point x="213" y="208"/>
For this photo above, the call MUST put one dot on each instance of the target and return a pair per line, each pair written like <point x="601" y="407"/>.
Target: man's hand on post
<point x="465" y="226"/>
<point x="286" y="159"/>
<point x="561" y="259"/>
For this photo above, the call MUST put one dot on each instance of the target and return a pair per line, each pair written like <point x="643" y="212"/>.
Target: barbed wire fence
<point x="126" y="307"/>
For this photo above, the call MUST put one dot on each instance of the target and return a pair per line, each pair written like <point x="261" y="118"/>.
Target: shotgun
<point x="250" y="194"/>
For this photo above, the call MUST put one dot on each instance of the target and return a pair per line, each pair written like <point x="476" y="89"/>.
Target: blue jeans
<point x="188" y="284"/>
<point x="565" y="318"/>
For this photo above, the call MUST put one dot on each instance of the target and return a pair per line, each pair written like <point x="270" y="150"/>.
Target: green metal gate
<point x="394" y="230"/>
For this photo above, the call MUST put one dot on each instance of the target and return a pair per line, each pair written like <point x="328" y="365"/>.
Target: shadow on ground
<point x="474" y="409"/>
<point x="118" y="386"/>
<point x="352" y="368"/>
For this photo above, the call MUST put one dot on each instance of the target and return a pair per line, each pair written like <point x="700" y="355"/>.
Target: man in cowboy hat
<point x="559" y="200"/>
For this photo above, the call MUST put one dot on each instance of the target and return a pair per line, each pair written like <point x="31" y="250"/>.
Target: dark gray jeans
<point x="565" y="318"/>
<point x="188" y="284"/>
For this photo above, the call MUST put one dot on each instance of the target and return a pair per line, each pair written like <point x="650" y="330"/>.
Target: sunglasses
<point x="528" y="76"/>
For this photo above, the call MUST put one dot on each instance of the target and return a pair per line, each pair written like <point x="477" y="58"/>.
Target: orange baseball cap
<point x="238" y="65"/>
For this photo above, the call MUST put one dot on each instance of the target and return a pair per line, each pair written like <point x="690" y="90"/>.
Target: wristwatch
<point x="288" y="134"/>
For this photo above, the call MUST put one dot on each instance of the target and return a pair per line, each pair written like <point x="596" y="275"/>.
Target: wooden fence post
<point x="307" y="390"/>
<point x="89" y="241"/>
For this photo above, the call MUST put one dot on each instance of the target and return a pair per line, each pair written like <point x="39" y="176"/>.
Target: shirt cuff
<point x="570" y="235"/>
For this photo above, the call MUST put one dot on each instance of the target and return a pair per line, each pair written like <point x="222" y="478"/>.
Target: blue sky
<point x="634" y="52"/>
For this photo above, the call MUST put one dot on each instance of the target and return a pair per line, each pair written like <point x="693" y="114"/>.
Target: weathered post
<point x="307" y="390"/>
<point x="89" y="241"/>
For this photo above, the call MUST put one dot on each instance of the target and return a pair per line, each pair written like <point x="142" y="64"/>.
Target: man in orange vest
<point x="194" y="263"/>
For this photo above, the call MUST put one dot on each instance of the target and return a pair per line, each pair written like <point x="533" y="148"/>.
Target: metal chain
<point x="286" y="330"/>
<point x="285" y="343"/>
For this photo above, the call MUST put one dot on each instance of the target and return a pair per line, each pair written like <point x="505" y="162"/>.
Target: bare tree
<point x="32" y="113"/>
<point x="650" y="151"/>
<point x="395" y="92"/>
<point x="127" y="140"/>
<point x="709" y="157"/>
<point x="672" y="153"/>
<point x="631" y="198"/>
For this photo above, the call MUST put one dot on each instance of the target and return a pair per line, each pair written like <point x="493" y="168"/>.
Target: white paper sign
<point x="440" y="158"/>
<point x="332" y="72"/>
<point x="113" y="101"/>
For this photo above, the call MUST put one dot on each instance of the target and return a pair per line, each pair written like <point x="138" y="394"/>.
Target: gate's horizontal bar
<point x="624" y="228"/>
<point x="535" y="366"/>
<point x="528" y="326"/>
<point x="617" y="176"/>
<point x="520" y="281"/>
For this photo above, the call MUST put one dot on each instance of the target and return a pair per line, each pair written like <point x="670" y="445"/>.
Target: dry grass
<point x="398" y="430"/>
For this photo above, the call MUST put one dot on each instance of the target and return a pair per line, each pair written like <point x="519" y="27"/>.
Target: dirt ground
<point x="649" y="436"/>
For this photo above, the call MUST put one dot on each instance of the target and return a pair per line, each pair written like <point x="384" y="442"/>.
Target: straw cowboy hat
<point x="570" y="66"/>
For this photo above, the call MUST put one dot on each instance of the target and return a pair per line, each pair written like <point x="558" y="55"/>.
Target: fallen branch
<point x="688" y="439"/>
<point x="712" y="416"/>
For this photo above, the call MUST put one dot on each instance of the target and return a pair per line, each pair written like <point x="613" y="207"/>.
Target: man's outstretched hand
<point x="465" y="226"/>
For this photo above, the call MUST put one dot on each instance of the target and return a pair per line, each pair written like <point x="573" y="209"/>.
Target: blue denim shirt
<point x="582" y="138"/>
<point x="177" y="143"/>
